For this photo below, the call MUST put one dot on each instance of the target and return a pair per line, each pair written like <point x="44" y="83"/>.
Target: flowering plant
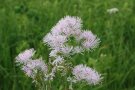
<point x="65" y="39"/>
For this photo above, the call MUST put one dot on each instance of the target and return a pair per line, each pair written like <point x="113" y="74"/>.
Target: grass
<point x="23" y="23"/>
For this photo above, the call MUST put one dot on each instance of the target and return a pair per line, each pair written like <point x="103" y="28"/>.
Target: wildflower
<point x="53" y="53"/>
<point x="82" y="72"/>
<point x="90" y="40"/>
<point x="58" y="61"/>
<point x="65" y="39"/>
<point x="33" y="67"/>
<point x="59" y="36"/>
<point x="112" y="10"/>
<point x="67" y="26"/>
<point x="54" y="41"/>
<point x="25" y="56"/>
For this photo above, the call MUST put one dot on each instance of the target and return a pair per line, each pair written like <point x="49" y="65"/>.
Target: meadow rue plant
<point x="65" y="39"/>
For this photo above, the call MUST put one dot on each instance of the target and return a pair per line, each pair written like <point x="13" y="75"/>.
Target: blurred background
<point x="23" y="24"/>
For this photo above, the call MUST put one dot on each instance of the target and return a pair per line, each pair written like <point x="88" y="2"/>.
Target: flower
<point x="112" y="10"/>
<point x="66" y="50"/>
<point x="82" y="72"/>
<point x="67" y="37"/>
<point x="60" y="35"/>
<point x="25" y="56"/>
<point x="67" y="26"/>
<point x="33" y="67"/>
<point x="53" y="53"/>
<point x="54" y="41"/>
<point x="58" y="60"/>
<point x="90" y="40"/>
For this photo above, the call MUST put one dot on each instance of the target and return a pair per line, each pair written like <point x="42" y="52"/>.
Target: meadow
<point x="24" y="23"/>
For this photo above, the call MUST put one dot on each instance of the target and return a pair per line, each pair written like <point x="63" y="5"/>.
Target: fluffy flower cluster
<point x="67" y="37"/>
<point x="25" y="56"/>
<point x="82" y="72"/>
<point x="29" y="66"/>
<point x="90" y="40"/>
<point x="33" y="67"/>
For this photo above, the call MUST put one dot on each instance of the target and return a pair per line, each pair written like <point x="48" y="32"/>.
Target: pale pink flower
<point x="54" y="41"/>
<point x="32" y="67"/>
<point x="67" y="26"/>
<point x="82" y="72"/>
<point x="90" y="40"/>
<point x="25" y="56"/>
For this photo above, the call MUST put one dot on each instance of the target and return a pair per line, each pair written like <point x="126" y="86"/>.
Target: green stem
<point x="46" y="87"/>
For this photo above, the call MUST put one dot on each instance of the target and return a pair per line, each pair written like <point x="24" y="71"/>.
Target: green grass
<point x="23" y="24"/>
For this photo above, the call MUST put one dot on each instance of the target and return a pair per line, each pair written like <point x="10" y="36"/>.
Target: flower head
<point x="55" y="41"/>
<point x="82" y="72"/>
<point x="67" y="26"/>
<point x="67" y="37"/>
<point x="33" y="67"/>
<point x="90" y="40"/>
<point x="25" y="56"/>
